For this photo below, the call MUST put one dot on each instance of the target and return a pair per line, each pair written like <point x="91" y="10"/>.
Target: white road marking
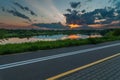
<point x="20" y="63"/>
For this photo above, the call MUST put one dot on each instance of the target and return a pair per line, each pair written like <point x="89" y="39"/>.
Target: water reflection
<point x="46" y="38"/>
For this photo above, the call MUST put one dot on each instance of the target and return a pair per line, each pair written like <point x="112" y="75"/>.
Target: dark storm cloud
<point x="14" y="12"/>
<point x="19" y="5"/>
<point x="25" y="8"/>
<point x="117" y="4"/>
<point x="105" y="13"/>
<point x="69" y="10"/>
<point x="83" y="11"/>
<point x="74" y="17"/>
<point x="18" y="14"/>
<point x="75" y="4"/>
<point x="51" y="25"/>
<point x="32" y="13"/>
<point x="3" y="9"/>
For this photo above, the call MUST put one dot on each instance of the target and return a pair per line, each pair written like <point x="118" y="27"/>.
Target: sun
<point x="74" y="25"/>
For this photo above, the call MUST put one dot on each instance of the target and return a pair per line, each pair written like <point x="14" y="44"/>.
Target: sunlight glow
<point x="73" y="36"/>
<point x="74" y="25"/>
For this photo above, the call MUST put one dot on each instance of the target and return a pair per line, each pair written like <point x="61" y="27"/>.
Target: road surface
<point x="107" y="70"/>
<point x="41" y="65"/>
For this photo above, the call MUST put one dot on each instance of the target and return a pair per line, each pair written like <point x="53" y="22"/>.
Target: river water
<point x="45" y="38"/>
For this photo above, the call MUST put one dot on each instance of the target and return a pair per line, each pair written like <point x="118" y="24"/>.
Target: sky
<point x="81" y="12"/>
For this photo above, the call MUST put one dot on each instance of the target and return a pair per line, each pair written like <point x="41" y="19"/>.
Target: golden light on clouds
<point x="96" y="25"/>
<point x="101" y="20"/>
<point x="115" y="22"/>
<point x="74" y="25"/>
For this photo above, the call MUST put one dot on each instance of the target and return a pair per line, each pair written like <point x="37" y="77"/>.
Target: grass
<point x="43" y="45"/>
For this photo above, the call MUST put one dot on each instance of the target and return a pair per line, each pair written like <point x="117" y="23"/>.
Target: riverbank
<point x="44" y="45"/>
<point x="29" y="33"/>
<point x="15" y="40"/>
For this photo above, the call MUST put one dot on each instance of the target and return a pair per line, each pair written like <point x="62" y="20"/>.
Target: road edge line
<point x="82" y="67"/>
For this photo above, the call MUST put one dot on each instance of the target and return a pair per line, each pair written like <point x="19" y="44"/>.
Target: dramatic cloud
<point x="3" y="9"/>
<point x="83" y="11"/>
<point x="18" y="14"/>
<point x="51" y="25"/>
<point x="117" y="5"/>
<point x="19" y="5"/>
<point x="75" y="4"/>
<point x="25" y="8"/>
<point x="69" y="10"/>
<point x="105" y="16"/>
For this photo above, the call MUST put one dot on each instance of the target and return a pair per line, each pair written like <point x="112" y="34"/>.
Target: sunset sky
<point x="90" y="12"/>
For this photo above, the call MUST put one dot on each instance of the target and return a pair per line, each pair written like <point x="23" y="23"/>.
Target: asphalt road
<point x="107" y="70"/>
<point x="43" y="64"/>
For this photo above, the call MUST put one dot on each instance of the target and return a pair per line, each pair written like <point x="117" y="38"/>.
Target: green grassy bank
<point x="43" y="45"/>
